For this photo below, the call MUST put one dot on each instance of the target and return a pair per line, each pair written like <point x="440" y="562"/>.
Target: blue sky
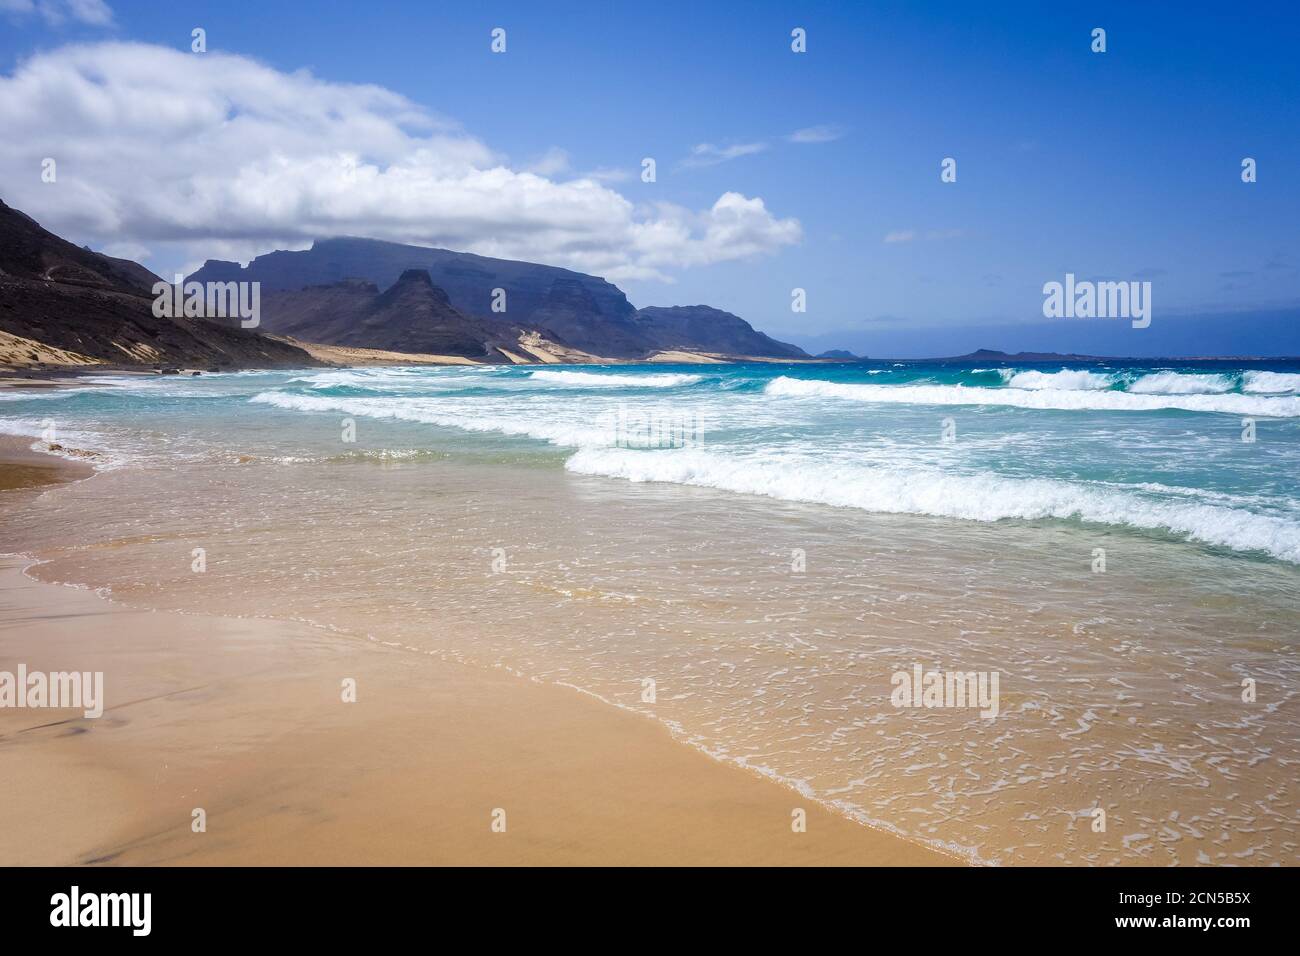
<point x="1122" y="165"/>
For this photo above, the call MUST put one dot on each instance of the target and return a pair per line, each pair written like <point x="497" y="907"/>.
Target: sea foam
<point x="1059" y="399"/>
<point x="1181" y="383"/>
<point x="973" y="497"/>
<point x="427" y="411"/>
<point x="1066" y="379"/>
<point x="1270" y="383"/>
<point x="596" y="380"/>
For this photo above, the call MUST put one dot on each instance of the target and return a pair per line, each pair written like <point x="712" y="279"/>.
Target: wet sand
<point x="245" y="719"/>
<point x="20" y="467"/>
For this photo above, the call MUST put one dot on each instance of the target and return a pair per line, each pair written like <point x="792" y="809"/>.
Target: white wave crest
<point x="1265" y="407"/>
<point x="1066" y="379"/>
<point x="1271" y="383"/>
<point x="596" y="430"/>
<point x="1181" y="383"/>
<point x="982" y="497"/>
<point x="597" y="380"/>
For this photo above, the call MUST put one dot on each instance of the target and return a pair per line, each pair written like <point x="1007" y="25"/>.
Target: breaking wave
<point x="982" y="497"/>
<point x="597" y="380"/>
<point x="1067" y="379"/>
<point x="1042" y="398"/>
<point x="1180" y="383"/>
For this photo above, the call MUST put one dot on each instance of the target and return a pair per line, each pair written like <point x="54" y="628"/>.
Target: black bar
<point x="984" y="908"/>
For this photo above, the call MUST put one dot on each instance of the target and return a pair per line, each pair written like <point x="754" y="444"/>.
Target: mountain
<point x="571" y="313"/>
<point x="705" y="329"/>
<point x="595" y="312"/>
<point x="64" y="304"/>
<point x="132" y="270"/>
<point x="413" y="315"/>
<point x="570" y="309"/>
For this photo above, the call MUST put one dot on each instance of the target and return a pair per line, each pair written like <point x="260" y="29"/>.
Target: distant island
<point x="1012" y="358"/>
<point x="841" y="355"/>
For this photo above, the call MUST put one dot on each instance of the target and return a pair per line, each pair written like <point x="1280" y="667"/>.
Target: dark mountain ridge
<point x="468" y="281"/>
<point x="412" y="315"/>
<point x="706" y="329"/>
<point x="62" y="301"/>
<point x="580" y="311"/>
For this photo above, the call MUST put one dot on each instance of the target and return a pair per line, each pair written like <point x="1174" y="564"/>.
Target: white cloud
<point x="675" y="236"/>
<point x="57" y="12"/>
<point x="608" y="174"/>
<point x="197" y="155"/>
<point x="907" y="235"/>
<point x="706" y="154"/>
<point x="817" y="134"/>
<point x="553" y="162"/>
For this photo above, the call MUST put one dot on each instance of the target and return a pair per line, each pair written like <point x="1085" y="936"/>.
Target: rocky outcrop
<point x="570" y="314"/>
<point x="701" y="328"/>
<point x="73" y="300"/>
<point x="413" y="315"/>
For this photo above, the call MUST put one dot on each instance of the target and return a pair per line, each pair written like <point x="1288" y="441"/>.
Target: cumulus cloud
<point x="219" y="155"/>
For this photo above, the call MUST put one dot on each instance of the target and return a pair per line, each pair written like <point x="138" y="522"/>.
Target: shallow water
<point x="474" y="516"/>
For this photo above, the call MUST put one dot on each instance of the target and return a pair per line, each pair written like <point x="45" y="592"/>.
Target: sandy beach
<point x="245" y="719"/>
<point x="20" y="467"/>
<point x="505" y="581"/>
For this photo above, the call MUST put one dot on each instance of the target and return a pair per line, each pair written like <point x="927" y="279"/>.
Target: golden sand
<point x="245" y="720"/>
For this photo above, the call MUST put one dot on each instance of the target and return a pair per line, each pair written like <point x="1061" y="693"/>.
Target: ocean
<point x="751" y="553"/>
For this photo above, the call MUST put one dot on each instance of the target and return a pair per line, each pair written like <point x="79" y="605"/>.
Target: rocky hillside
<point x="705" y="329"/>
<point x="61" y="303"/>
<point x="316" y="292"/>
<point x="413" y="315"/>
<point x="533" y="292"/>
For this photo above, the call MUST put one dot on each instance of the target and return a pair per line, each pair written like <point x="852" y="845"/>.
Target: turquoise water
<point x="1151" y="449"/>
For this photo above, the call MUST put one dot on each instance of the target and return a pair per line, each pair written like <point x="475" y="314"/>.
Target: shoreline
<point x="21" y="467"/>
<point x="49" y="375"/>
<point x="244" y="718"/>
